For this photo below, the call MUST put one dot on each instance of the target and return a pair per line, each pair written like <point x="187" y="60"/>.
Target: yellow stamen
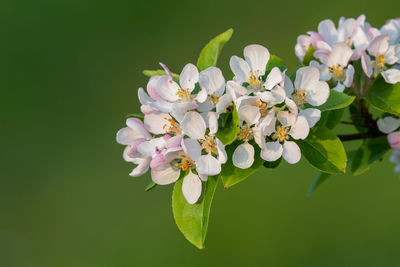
<point x="185" y="164"/>
<point x="262" y="106"/>
<point x="380" y="60"/>
<point x="209" y="144"/>
<point x="183" y="94"/>
<point x="214" y="98"/>
<point x="300" y="97"/>
<point x="348" y="42"/>
<point x="337" y="71"/>
<point x="254" y="78"/>
<point x="172" y="127"/>
<point x="283" y="133"/>
<point x="245" y="133"/>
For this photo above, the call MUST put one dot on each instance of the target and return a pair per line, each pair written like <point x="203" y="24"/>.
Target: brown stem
<point x="354" y="123"/>
<point x="352" y="137"/>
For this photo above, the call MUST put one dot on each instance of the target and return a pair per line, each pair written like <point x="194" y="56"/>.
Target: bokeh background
<point x="69" y="73"/>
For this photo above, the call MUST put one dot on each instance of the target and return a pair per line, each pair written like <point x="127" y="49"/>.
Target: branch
<point x="352" y="137"/>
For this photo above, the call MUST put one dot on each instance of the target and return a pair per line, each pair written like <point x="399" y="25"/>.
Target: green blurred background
<point x="69" y="73"/>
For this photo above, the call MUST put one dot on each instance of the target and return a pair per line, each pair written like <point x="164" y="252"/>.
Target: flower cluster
<point x="337" y="49"/>
<point x="198" y="127"/>
<point x="179" y="132"/>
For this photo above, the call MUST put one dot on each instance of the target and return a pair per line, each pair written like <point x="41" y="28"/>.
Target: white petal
<point x="246" y="100"/>
<point x="166" y="176"/>
<point x="388" y="124"/>
<point x="127" y="136"/>
<point x="392" y="75"/>
<point x="138" y="126"/>
<point x="174" y="141"/>
<point x="203" y="177"/>
<point x="144" y="99"/>
<point x="271" y="151"/>
<point x="240" y="68"/>
<point x="179" y="109"/>
<point x="202" y="95"/>
<point x="155" y="122"/>
<point x="273" y="78"/>
<point x="212" y="80"/>
<point x="212" y="122"/>
<point x="208" y="165"/>
<point x="268" y="128"/>
<point x="379" y="45"/>
<point x="249" y="114"/>
<point x="148" y="148"/>
<point x="339" y="87"/>
<point x="340" y="54"/>
<point x="286" y="118"/>
<point x="291" y="152"/>
<point x="288" y="86"/>
<point x="306" y="77"/>
<point x="193" y="125"/>
<point x="224" y="102"/>
<point x="243" y="156"/>
<point x="366" y="64"/>
<point x="189" y="77"/>
<point x="349" y="76"/>
<point x="257" y="57"/>
<point x="328" y="30"/>
<point x="192" y="148"/>
<point x="291" y="105"/>
<point x="141" y="168"/>
<point x="237" y="89"/>
<point x="312" y="115"/>
<point x="300" y="129"/>
<point x="167" y="88"/>
<point x="222" y="157"/>
<point x="191" y="187"/>
<point x="318" y="93"/>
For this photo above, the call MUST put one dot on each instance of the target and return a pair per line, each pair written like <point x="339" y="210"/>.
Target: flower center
<point x="255" y="81"/>
<point x="214" y="98"/>
<point x="183" y="94"/>
<point x="300" y="97"/>
<point x="283" y="133"/>
<point x="245" y="133"/>
<point x="172" y="127"/>
<point x="262" y="106"/>
<point x="185" y="163"/>
<point x="337" y="71"/>
<point x="209" y="144"/>
<point x="348" y="42"/>
<point x="380" y="60"/>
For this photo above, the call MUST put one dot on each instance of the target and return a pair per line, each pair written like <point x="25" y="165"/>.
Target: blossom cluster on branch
<point x="198" y="127"/>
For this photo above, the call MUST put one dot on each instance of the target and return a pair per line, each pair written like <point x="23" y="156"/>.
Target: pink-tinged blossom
<point x="394" y="140"/>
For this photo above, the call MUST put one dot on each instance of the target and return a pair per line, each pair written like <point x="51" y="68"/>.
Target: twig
<point x="352" y="137"/>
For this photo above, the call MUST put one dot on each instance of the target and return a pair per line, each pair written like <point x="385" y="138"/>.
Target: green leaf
<point x="370" y="152"/>
<point x="192" y="220"/>
<point x="273" y="164"/>
<point x="151" y="73"/>
<point x="273" y="62"/>
<point x="331" y="118"/>
<point x="324" y="150"/>
<point x="336" y="100"/>
<point x="228" y="127"/>
<point x="309" y="55"/>
<point x="210" y="53"/>
<point x="321" y="177"/>
<point x="385" y="96"/>
<point x="232" y="175"/>
<point x="150" y="186"/>
<point x="138" y="116"/>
